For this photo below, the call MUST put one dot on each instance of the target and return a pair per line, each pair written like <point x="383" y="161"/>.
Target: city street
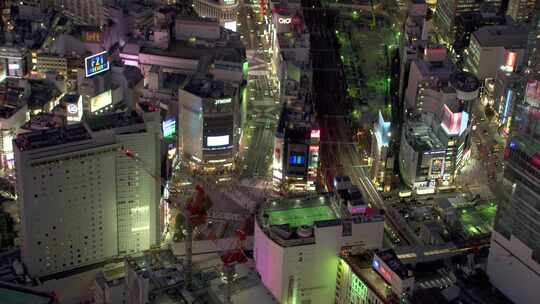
<point x="263" y="107"/>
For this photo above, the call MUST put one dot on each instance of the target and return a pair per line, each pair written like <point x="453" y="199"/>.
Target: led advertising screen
<point x="169" y="128"/>
<point x="437" y="166"/>
<point x="230" y="25"/>
<point x="100" y="101"/>
<point x="216" y="141"/>
<point x="96" y="64"/>
<point x="297" y="160"/>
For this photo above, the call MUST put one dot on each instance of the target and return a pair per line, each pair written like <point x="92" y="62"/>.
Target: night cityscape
<point x="270" y="151"/>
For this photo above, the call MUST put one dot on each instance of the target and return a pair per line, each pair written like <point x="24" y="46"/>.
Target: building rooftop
<point x="70" y="98"/>
<point x="421" y="137"/>
<point x="361" y="265"/>
<point x="11" y="97"/>
<point x="299" y="212"/>
<point x="209" y="88"/>
<point x="16" y="294"/>
<point x="160" y="267"/>
<point x="52" y="137"/>
<point x="43" y="121"/>
<point x="507" y="36"/>
<point x="290" y="221"/>
<point x="390" y="258"/>
<point x="229" y="48"/>
<point x="464" y="81"/>
<point x="41" y="92"/>
<point x="112" y="120"/>
<point x="133" y="75"/>
<point x="293" y="40"/>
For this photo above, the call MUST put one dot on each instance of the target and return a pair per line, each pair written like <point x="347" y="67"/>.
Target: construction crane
<point x="231" y="257"/>
<point x="195" y="213"/>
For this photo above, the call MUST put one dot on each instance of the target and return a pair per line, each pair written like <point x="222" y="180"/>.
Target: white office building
<point x="298" y="242"/>
<point x="83" y="199"/>
<point x="224" y="11"/>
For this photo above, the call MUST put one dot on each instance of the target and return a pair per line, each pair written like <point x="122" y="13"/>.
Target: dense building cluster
<point x="269" y="151"/>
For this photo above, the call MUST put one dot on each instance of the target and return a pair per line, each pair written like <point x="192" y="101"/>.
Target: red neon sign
<point x="315" y="133"/>
<point x="510" y="60"/>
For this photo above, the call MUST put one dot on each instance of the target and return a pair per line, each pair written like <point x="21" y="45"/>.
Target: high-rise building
<point x="209" y="115"/>
<point x="430" y="72"/>
<point x="514" y="258"/>
<point x="295" y="165"/>
<point x="298" y="242"/>
<point x="533" y="44"/>
<point x="421" y="156"/>
<point x="520" y="10"/>
<point x="382" y="159"/>
<point x="412" y="42"/>
<point x="224" y="11"/>
<point x="496" y="47"/>
<point x="88" y="191"/>
<point x="448" y="10"/>
<point x="88" y="12"/>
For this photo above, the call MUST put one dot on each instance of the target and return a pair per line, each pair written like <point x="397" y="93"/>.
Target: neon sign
<point x="510" y="62"/>
<point x="382" y="271"/>
<point x="169" y="128"/>
<point x="72" y="108"/>
<point x="223" y="101"/>
<point x="96" y="64"/>
<point x="284" y="20"/>
<point x="315" y="133"/>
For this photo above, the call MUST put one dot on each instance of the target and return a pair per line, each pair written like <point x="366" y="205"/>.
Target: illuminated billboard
<point x="454" y="123"/>
<point x="437" y="167"/>
<point x="96" y="64"/>
<point x="509" y="62"/>
<point x="100" y="101"/>
<point x="216" y="141"/>
<point x="223" y="101"/>
<point x="231" y="25"/>
<point x="169" y="128"/>
<point x="297" y="160"/>
<point x="381" y="269"/>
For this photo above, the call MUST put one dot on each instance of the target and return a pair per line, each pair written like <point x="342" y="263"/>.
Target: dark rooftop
<point x="70" y="98"/>
<point x="16" y="294"/>
<point x="229" y="50"/>
<point x="10" y="98"/>
<point x="389" y="257"/>
<point x="113" y="120"/>
<point x="133" y="75"/>
<point x="52" y="137"/>
<point x="206" y="88"/>
<point x="41" y="92"/>
<point x="464" y="81"/>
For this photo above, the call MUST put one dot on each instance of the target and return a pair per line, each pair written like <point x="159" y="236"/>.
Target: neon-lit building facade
<point x="382" y="163"/>
<point x="209" y="128"/>
<point x="454" y="133"/>
<point x="514" y="258"/>
<point x="421" y="157"/>
<point x="353" y="286"/>
<point x="224" y="11"/>
<point x="295" y="166"/>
